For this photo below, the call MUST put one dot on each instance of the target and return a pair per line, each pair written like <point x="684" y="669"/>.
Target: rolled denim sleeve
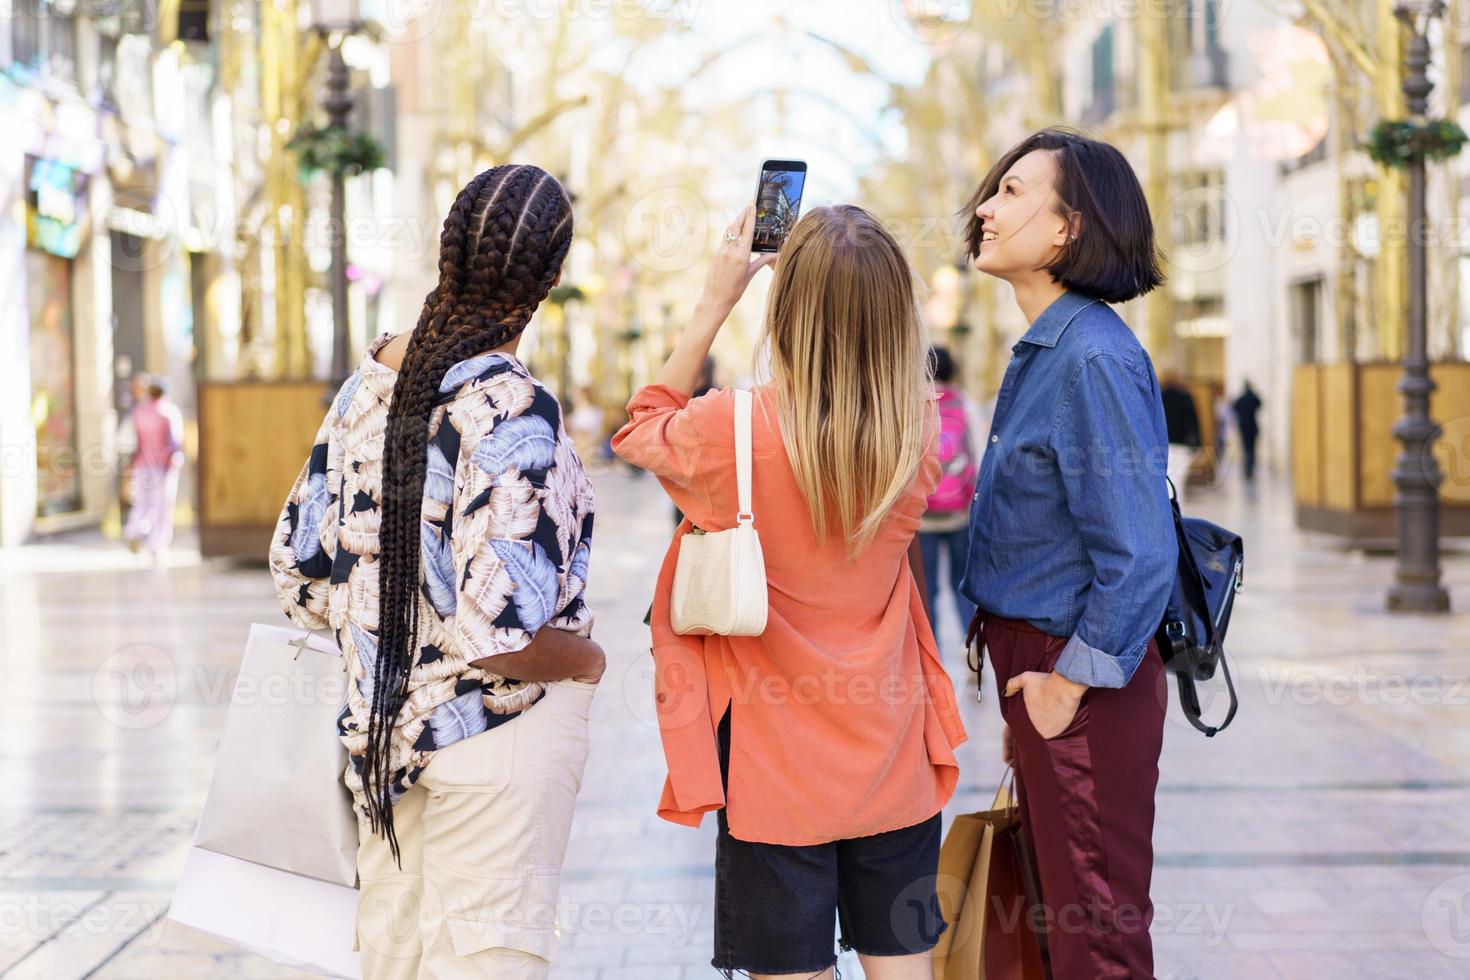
<point x="1112" y="449"/>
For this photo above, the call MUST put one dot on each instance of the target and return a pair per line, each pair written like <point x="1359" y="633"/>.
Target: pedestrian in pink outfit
<point x="155" y="430"/>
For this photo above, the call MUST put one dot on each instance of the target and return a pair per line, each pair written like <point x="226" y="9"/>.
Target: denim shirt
<point x="1070" y="525"/>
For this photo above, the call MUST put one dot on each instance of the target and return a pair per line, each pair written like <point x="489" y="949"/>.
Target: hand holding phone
<point x="733" y="266"/>
<point x="777" y="202"/>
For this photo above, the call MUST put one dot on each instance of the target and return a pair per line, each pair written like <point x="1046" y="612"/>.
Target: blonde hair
<point x="849" y="361"/>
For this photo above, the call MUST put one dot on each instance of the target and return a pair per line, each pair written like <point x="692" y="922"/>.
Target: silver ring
<point x="730" y="237"/>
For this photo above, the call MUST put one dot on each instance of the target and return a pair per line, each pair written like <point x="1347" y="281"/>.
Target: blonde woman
<point x="825" y="744"/>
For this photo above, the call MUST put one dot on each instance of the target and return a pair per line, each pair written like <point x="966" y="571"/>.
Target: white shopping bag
<point x="277" y="796"/>
<point x="274" y="863"/>
<point x="296" y="921"/>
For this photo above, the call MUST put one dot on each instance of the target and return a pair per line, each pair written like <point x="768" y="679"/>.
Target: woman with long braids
<point x="442" y="529"/>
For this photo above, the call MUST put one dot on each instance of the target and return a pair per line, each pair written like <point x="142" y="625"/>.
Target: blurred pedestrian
<point x="125" y="443"/>
<point x="585" y="424"/>
<point x="1072" y="549"/>
<point x="944" y="530"/>
<point x="1182" y="419"/>
<point x="155" y="431"/>
<point x="442" y="528"/>
<point x="827" y="800"/>
<point x="1247" y="408"/>
<point x="1224" y="414"/>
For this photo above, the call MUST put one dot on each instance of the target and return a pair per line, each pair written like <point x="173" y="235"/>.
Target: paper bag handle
<point x="1005" y="794"/>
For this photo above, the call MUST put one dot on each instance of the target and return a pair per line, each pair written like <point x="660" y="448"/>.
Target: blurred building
<point x="159" y="225"/>
<point x="105" y="115"/>
<point x="1244" y="121"/>
<point x="1165" y="84"/>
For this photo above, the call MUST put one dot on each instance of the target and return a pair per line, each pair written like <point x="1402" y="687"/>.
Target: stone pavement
<point x="1324" y="835"/>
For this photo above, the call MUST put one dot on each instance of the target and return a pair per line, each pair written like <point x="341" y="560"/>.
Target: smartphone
<point x="777" y="203"/>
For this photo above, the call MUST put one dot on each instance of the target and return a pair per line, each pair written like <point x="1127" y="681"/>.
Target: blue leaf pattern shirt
<point x="505" y="535"/>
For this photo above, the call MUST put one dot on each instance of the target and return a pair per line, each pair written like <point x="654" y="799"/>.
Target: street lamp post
<point x="338" y="103"/>
<point x="1416" y="473"/>
<point x="336" y="20"/>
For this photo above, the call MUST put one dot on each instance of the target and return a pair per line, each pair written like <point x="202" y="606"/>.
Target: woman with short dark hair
<point x="1072" y="550"/>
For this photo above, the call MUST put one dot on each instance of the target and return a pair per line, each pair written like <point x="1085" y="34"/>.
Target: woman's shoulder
<point x="1102" y="333"/>
<point x="712" y="415"/>
<point x="492" y="391"/>
<point x="718" y="418"/>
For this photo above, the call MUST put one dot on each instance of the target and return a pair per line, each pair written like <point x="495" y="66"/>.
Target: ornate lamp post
<point x="336" y="20"/>
<point x="1416" y="473"/>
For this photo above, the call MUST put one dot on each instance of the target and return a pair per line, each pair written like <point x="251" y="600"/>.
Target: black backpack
<point x="1191" y="638"/>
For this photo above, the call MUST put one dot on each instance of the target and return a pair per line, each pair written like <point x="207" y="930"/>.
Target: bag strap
<point x="743" y="403"/>
<point x="1005" y="794"/>
<point x="1196" y="578"/>
<point x="1189" y="700"/>
<point x="1188" y="696"/>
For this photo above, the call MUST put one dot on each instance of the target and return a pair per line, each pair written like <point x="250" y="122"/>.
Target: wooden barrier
<point x="1343" y="451"/>
<point x="254" y="437"/>
<point x="1306" y="437"/>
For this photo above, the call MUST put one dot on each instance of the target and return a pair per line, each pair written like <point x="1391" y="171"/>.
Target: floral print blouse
<point x="506" y="537"/>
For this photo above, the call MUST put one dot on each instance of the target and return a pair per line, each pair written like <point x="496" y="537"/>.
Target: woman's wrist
<point x="1069" y="689"/>
<point x="709" y="315"/>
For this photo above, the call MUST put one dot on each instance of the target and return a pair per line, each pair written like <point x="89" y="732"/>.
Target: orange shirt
<point x="843" y="721"/>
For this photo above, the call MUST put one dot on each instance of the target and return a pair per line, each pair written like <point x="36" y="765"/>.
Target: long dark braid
<point x="502" y="248"/>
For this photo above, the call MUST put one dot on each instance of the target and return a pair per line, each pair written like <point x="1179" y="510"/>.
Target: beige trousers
<point x="482" y="835"/>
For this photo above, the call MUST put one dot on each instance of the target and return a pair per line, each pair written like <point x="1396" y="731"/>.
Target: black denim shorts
<point x="774" y="903"/>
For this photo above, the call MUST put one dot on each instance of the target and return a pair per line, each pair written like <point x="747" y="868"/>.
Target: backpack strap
<point x="1188" y="695"/>
<point x="1189" y="700"/>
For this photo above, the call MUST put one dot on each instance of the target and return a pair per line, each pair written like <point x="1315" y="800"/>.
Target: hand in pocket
<point x="1051" y="701"/>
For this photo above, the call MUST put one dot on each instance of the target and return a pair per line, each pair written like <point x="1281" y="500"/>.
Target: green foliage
<point x="1397" y="143"/>
<point x="335" y="150"/>
<point x="562" y="295"/>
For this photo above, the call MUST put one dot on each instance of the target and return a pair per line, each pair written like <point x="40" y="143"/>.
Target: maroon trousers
<point x="1087" y="807"/>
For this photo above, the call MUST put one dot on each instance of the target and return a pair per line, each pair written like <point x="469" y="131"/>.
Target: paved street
<point x="1325" y="835"/>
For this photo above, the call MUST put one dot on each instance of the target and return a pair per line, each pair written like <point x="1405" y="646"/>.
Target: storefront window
<point x="53" y="384"/>
<point x="55" y="202"/>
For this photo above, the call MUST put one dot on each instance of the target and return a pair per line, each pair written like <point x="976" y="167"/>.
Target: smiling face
<point x="1023" y="227"/>
<point x="1062" y="208"/>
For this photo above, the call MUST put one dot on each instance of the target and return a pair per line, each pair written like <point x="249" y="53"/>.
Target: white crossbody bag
<point x="720" y="580"/>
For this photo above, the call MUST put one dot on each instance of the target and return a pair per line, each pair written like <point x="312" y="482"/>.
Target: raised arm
<point x="664" y="434"/>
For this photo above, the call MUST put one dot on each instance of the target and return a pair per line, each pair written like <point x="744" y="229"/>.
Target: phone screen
<point x="777" y="203"/>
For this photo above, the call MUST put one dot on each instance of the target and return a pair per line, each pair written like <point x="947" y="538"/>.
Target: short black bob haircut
<point x="1114" y="257"/>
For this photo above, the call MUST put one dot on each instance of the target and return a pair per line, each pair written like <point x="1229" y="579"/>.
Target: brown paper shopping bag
<point x="983" y="876"/>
